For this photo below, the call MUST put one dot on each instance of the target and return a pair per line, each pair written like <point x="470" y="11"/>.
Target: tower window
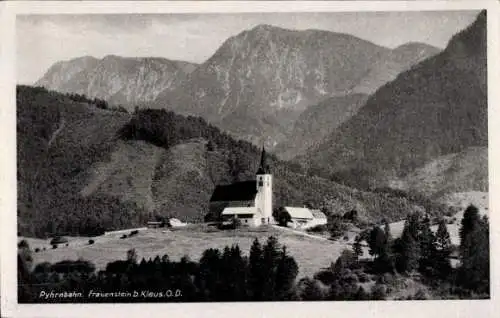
<point x="261" y="183"/>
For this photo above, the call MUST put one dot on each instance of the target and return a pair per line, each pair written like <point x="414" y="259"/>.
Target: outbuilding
<point x="249" y="216"/>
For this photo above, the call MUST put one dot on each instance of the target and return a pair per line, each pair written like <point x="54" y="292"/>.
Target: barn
<point x="305" y="218"/>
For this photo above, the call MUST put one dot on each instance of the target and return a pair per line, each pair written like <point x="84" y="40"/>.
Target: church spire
<point x="263" y="167"/>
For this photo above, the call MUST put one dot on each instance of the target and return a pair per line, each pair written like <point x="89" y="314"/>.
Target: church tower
<point x="264" y="198"/>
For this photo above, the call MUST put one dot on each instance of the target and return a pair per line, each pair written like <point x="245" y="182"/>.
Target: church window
<point x="261" y="183"/>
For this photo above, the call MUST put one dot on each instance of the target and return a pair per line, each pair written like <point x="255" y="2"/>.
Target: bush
<point x="37" y="250"/>
<point x="320" y="228"/>
<point x="236" y="223"/>
<point x="386" y="278"/>
<point x="54" y="246"/>
<point x="23" y="244"/>
<point x="379" y="292"/>
<point x="91" y="242"/>
<point x="337" y="228"/>
<point x="67" y="244"/>
<point x="124" y="236"/>
<point x="363" y="277"/>
<point x="44" y="249"/>
<point x="58" y="240"/>
<point x="420" y="295"/>
<point x="134" y="232"/>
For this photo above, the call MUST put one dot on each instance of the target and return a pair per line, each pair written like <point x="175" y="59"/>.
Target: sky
<point x="43" y="40"/>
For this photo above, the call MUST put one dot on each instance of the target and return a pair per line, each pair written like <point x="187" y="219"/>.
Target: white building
<point x="249" y="216"/>
<point x="304" y="218"/>
<point x="319" y="218"/>
<point x="251" y="201"/>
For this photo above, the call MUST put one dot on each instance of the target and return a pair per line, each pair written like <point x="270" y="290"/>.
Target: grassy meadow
<point x="311" y="254"/>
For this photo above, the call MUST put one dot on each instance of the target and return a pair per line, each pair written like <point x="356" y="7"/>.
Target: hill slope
<point x="452" y="173"/>
<point x="389" y="66"/>
<point x="437" y="108"/>
<point x="317" y="122"/>
<point x="83" y="169"/>
<point x="118" y="80"/>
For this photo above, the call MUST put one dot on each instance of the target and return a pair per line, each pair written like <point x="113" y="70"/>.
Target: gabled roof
<point x="239" y="191"/>
<point x="241" y="210"/>
<point x="318" y="214"/>
<point x="299" y="213"/>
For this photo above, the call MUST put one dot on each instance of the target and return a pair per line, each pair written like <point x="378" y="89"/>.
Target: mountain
<point x="320" y="120"/>
<point x="82" y="169"/>
<point x="390" y="65"/>
<point x="259" y="81"/>
<point x="118" y="80"/>
<point x="317" y="122"/>
<point x="255" y="85"/>
<point x="436" y="108"/>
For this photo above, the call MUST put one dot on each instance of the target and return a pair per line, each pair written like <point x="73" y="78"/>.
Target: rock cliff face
<point x="438" y="107"/>
<point x="118" y="80"/>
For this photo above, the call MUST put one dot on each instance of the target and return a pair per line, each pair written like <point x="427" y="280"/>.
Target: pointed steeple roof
<point x="263" y="167"/>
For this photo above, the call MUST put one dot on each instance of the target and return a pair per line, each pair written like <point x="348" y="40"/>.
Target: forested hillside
<point x="436" y="108"/>
<point x="83" y="169"/>
<point x="58" y="141"/>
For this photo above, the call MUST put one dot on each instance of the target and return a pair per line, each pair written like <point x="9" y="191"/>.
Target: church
<point x="250" y="201"/>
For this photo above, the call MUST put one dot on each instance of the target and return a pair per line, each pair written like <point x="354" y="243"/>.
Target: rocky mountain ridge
<point x="118" y="80"/>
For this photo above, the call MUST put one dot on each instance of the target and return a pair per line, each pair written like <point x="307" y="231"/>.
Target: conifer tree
<point x="255" y="271"/>
<point x="239" y="265"/>
<point x="377" y="241"/>
<point x="270" y="258"/>
<point x="207" y="279"/>
<point x="469" y="222"/>
<point x="387" y="231"/>
<point x="132" y="256"/>
<point x="475" y="264"/>
<point x="409" y="253"/>
<point x="443" y="240"/>
<point x="442" y="250"/>
<point x="357" y="248"/>
<point x="286" y="272"/>
<point x="427" y="242"/>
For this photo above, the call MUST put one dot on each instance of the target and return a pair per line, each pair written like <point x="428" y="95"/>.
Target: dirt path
<point x="301" y="233"/>
<point x="56" y="132"/>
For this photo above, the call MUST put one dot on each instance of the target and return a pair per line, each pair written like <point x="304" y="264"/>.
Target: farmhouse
<point x="249" y="216"/>
<point x="304" y="217"/>
<point x="251" y="201"/>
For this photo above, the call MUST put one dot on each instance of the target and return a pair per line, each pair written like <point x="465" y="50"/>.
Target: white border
<point x="447" y="308"/>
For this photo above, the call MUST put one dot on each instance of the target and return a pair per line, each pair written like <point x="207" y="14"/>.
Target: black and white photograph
<point x="229" y="157"/>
